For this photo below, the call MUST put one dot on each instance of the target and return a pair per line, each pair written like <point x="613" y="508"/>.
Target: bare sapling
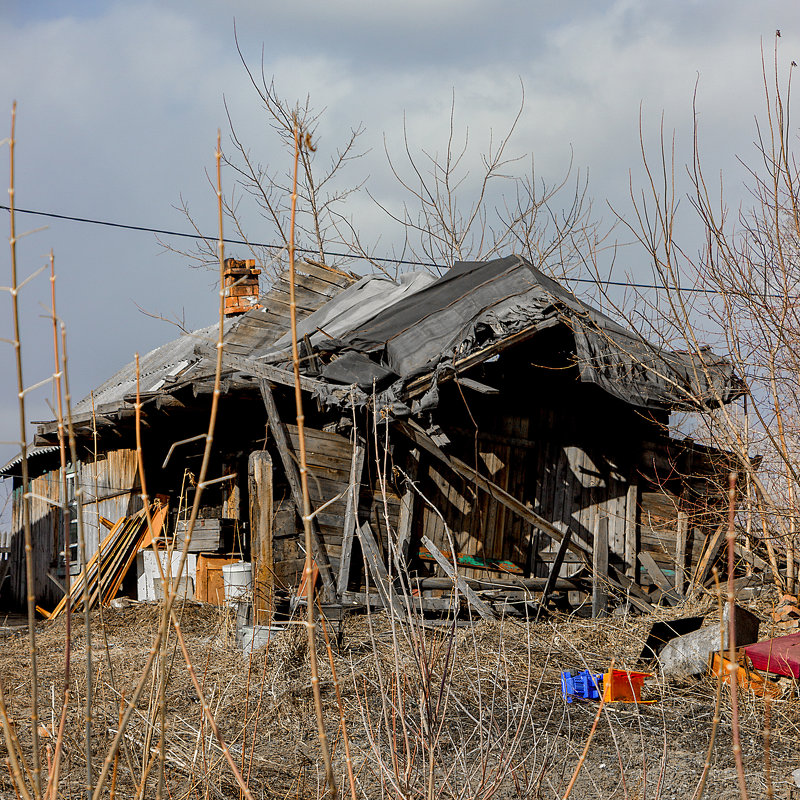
<point x="21" y="391"/>
<point x="303" y="140"/>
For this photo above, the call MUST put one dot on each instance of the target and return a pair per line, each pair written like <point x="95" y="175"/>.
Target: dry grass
<point x="482" y="704"/>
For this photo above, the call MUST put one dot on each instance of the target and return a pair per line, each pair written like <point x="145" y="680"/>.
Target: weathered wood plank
<point x="369" y="548"/>
<point x="659" y="578"/>
<point x="338" y="279"/>
<point x="350" y="518"/>
<point x="256" y="368"/>
<point x="407" y="508"/>
<point x="290" y="470"/>
<point x="260" y="486"/>
<point x="680" y="552"/>
<point x="631" y="511"/>
<point x="600" y="568"/>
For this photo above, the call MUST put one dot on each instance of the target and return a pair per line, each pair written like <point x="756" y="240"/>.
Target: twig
<point x="308" y="569"/>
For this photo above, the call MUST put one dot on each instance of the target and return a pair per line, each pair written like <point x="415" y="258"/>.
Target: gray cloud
<point x="120" y="103"/>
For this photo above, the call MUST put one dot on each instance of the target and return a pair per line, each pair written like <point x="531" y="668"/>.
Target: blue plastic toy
<point x="582" y="684"/>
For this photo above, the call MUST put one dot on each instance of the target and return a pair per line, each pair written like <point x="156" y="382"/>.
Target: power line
<point x="185" y="235"/>
<point x="334" y="254"/>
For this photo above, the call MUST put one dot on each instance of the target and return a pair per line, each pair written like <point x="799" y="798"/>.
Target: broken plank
<point x="708" y="558"/>
<point x="482" y="608"/>
<point x="659" y="578"/>
<point x="406" y="516"/>
<point x="369" y="548"/>
<point x="350" y="518"/>
<point x="631" y="590"/>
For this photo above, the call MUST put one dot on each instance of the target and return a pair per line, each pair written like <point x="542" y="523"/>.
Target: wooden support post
<point x="482" y="608"/>
<point x="600" y="568"/>
<point x="259" y="470"/>
<point x="631" y="528"/>
<point x="281" y="437"/>
<point x="350" y="518"/>
<point x="680" y="552"/>
<point x="372" y="555"/>
<point x="555" y="569"/>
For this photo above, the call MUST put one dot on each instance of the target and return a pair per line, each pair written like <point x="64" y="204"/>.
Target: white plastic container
<point x="237" y="579"/>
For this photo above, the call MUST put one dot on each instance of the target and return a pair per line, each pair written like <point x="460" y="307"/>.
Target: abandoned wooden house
<point x="484" y="438"/>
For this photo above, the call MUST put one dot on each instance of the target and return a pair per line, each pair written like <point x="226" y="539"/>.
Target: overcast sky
<point x="119" y="104"/>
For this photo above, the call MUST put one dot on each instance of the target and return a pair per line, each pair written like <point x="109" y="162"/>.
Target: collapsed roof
<point x="401" y="338"/>
<point x="424" y="327"/>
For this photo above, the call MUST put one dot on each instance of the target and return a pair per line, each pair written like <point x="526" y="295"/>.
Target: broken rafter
<point x="422" y="384"/>
<point x="258" y="369"/>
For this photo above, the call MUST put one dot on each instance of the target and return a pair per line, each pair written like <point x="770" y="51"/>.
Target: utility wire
<point x="334" y="254"/>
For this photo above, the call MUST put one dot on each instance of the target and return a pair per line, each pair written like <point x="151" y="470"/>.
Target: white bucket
<point x="236" y="579"/>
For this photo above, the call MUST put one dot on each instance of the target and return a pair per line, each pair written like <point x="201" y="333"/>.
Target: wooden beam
<point x="482" y="608"/>
<point x="631" y="514"/>
<point x="256" y="368"/>
<point x="496" y="584"/>
<point x="422" y="384"/>
<point x="751" y="557"/>
<point x="281" y="438"/>
<point x="372" y="555"/>
<point x="350" y="518"/>
<point x="659" y="578"/>
<point x="633" y="592"/>
<point x="600" y="568"/>
<point x="555" y="569"/>
<point x="260" y="493"/>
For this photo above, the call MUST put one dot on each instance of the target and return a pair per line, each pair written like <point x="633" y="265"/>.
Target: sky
<point x="119" y="103"/>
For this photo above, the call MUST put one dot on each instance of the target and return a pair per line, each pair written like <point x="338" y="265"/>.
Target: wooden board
<point x="209" y="583"/>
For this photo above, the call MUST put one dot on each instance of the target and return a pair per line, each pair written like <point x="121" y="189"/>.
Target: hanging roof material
<point x="479" y="304"/>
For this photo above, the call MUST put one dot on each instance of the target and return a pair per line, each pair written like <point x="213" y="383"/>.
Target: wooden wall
<point x="110" y="490"/>
<point x="329" y="459"/>
<point x="568" y="475"/>
<point x="47" y="536"/>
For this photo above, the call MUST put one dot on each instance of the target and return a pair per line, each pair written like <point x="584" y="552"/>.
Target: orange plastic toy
<point x="621" y="686"/>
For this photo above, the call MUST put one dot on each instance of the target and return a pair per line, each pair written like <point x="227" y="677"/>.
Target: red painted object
<point x="780" y="656"/>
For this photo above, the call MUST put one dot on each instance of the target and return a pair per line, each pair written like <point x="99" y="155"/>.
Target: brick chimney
<point x="241" y="286"/>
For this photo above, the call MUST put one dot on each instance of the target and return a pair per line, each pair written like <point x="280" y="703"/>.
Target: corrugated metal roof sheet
<point x="33" y="452"/>
<point x="168" y="362"/>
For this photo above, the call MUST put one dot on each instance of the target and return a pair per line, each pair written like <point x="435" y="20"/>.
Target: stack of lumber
<point x="104" y="572"/>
